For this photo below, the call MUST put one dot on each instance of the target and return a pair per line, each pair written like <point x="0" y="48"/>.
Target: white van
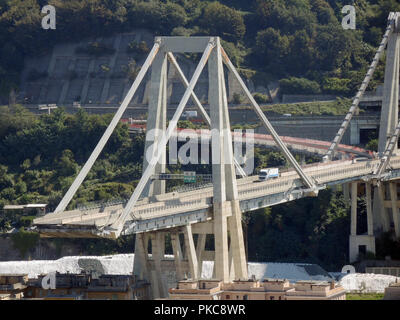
<point x="266" y="174"/>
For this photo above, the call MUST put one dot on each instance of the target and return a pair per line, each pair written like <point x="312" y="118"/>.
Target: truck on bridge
<point x="266" y="174"/>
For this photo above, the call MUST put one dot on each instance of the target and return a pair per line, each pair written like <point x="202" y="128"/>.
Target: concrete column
<point x="395" y="208"/>
<point x="221" y="263"/>
<point x="201" y="243"/>
<point x="215" y="69"/>
<point x="156" y="121"/>
<point x="354" y="133"/>
<point x="370" y="221"/>
<point x="158" y="282"/>
<point x="140" y="266"/>
<point x="191" y="252"/>
<point x="231" y="263"/>
<point x="237" y="242"/>
<point x="176" y="247"/>
<point x="346" y="192"/>
<point x="353" y="209"/>
<point x="383" y="211"/>
<point x="355" y="240"/>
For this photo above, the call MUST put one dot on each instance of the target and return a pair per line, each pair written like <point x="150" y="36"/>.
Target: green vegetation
<point x="295" y="85"/>
<point x="24" y="240"/>
<point x="338" y="107"/>
<point x="313" y="230"/>
<point x="275" y="40"/>
<point x="39" y="156"/>
<point x="364" y="296"/>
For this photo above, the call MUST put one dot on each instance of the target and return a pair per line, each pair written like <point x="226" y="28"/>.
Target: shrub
<point x="96" y="49"/>
<point x="336" y="86"/>
<point x="237" y="98"/>
<point x="261" y="98"/>
<point x="295" y="85"/>
<point x="138" y="48"/>
<point x="372" y="145"/>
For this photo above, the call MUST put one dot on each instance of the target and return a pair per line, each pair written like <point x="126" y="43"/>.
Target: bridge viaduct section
<point x="217" y="210"/>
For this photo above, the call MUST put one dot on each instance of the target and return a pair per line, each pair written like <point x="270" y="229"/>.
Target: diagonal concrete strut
<point x="306" y="180"/>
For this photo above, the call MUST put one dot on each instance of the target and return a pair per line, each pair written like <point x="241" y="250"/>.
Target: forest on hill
<point x="300" y="42"/>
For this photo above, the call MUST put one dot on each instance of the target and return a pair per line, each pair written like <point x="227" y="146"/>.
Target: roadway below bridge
<point x="174" y="209"/>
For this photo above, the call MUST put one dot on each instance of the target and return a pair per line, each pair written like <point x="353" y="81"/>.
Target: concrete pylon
<point x="226" y="205"/>
<point x="390" y="102"/>
<point x="156" y="125"/>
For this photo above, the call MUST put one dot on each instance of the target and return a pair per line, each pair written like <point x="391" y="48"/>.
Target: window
<point x="362" y="250"/>
<point x="228" y="297"/>
<point x="245" y="297"/>
<point x="271" y="298"/>
<point x="204" y="285"/>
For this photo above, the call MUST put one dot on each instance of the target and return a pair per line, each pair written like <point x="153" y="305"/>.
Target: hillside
<point x="299" y="41"/>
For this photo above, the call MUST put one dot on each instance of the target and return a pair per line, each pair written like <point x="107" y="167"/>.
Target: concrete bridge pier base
<point x="158" y="250"/>
<point x="366" y="242"/>
<point x="359" y="241"/>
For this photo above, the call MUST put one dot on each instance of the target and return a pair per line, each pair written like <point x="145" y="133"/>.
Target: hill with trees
<point x="300" y="41"/>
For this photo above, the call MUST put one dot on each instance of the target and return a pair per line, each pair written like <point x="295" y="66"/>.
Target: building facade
<point x="267" y="289"/>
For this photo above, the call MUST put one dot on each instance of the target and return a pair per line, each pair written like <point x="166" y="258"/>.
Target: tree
<point x="220" y="20"/>
<point x="272" y="48"/>
<point x="295" y="85"/>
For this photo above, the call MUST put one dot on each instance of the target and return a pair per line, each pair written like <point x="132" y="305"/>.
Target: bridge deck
<point x="149" y="213"/>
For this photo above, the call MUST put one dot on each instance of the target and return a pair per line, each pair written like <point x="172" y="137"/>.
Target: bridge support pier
<point x="140" y="266"/>
<point x="395" y="208"/>
<point x="177" y="251"/>
<point x="157" y="249"/>
<point x="191" y="252"/>
<point x="200" y="248"/>
<point x="366" y="242"/>
<point x="346" y="192"/>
